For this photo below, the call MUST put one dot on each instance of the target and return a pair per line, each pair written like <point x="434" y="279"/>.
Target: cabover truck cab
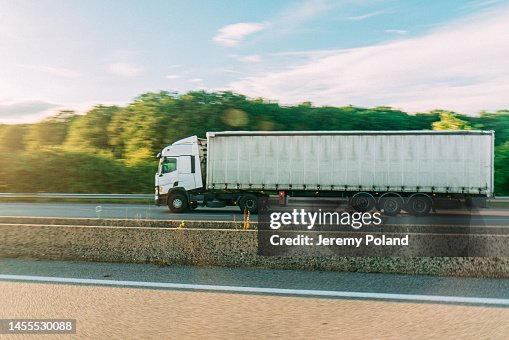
<point x="415" y="171"/>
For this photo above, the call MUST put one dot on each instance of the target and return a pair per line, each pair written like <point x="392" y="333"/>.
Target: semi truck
<point x="391" y="171"/>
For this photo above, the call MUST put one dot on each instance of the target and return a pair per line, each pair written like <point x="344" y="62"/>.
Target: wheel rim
<point x="250" y="204"/>
<point x="419" y="205"/>
<point x="390" y="205"/>
<point x="177" y="203"/>
<point x="362" y="203"/>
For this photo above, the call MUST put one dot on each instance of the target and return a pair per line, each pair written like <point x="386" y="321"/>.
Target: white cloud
<point x="27" y="111"/>
<point x="400" y="32"/>
<point x="293" y="16"/>
<point x="482" y="3"/>
<point x="285" y="22"/>
<point x="253" y="58"/>
<point x="58" y="71"/>
<point x="463" y="67"/>
<point x="232" y="35"/>
<point x="172" y="76"/>
<point x="125" y="69"/>
<point x="195" y="80"/>
<point x="230" y="71"/>
<point x="306" y="10"/>
<point x="366" y="16"/>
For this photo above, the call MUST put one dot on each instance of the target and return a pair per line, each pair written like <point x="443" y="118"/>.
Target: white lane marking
<point x="279" y="291"/>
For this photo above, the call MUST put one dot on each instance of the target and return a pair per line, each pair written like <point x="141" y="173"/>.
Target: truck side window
<point x="169" y="165"/>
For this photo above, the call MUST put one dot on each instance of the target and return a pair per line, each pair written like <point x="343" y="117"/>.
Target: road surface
<point x="287" y="304"/>
<point x="486" y="217"/>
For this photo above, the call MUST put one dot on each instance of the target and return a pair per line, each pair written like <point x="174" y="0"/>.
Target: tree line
<point x="112" y="149"/>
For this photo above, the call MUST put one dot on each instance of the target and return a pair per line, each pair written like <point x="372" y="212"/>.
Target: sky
<point x="408" y="54"/>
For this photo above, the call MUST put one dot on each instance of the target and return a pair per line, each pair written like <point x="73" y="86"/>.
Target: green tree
<point x="50" y="132"/>
<point x="141" y="130"/>
<point x="450" y="121"/>
<point x="502" y="169"/>
<point x="497" y="121"/>
<point x="12" y="138"/>
<point x="111" y="149"/>
<point x="90" y="131"/>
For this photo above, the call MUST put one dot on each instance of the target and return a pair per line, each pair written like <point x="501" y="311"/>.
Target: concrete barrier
<point x="209" y="247"/>
<point x="119" y="222"/>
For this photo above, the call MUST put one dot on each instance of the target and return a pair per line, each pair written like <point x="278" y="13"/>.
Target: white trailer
<point x="389" y="170"/>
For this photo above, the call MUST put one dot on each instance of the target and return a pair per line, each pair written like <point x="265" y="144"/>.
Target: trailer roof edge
<point x="386" y="132"/>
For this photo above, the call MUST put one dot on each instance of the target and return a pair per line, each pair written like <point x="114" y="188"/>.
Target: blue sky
<point x="412" y="55"/>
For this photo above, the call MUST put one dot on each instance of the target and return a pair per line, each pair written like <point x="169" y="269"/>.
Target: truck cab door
<point x="186" y="178"/>
<point x="168" y="173"/>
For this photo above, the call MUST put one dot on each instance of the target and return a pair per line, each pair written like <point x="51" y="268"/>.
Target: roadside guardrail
<point x="120" y="196"/>
<point x="72" y="195"/>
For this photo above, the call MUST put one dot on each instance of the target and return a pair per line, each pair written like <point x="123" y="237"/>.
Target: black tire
<point x="178" y="202"/>
<point x="362" y="202"/>
<point x="391" y="205"/>
<point x="249" y="203"/>
<point x="419" y="205"/>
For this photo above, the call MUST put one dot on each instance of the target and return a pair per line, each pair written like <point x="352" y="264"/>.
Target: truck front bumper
<point x="161" y="199"/>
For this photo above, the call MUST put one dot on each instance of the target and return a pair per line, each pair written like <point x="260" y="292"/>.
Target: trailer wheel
<point x="178" y="202"/>
<point x="249" y="203"/>
<point x="390" y="205"/>
<point x="419" y="205"/>
<point x="362" y="202"/>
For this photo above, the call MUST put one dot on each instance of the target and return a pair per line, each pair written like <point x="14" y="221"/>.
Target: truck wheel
<point x="390" y="206"/>
<point x="419" y="205"/>
<point x="178" y="202"/>
<point x="362" y="202"/>
<point x="249" y="203"/>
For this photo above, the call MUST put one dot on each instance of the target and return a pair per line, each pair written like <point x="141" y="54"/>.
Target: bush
<point x="502" y="170"/>
<point x="77" y="172"/>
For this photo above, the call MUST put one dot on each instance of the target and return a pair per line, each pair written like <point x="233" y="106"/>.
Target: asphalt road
<point x="145" y="301"/>
<point x="485" y="217"/>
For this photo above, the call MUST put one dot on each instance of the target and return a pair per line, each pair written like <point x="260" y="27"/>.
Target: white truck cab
<point x="179" y="168"/>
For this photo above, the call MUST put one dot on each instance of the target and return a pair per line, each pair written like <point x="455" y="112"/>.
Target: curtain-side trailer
<point x="390" y="171"/>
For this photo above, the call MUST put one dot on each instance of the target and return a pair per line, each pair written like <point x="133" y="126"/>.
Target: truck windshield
<point x="168" y="164"/>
